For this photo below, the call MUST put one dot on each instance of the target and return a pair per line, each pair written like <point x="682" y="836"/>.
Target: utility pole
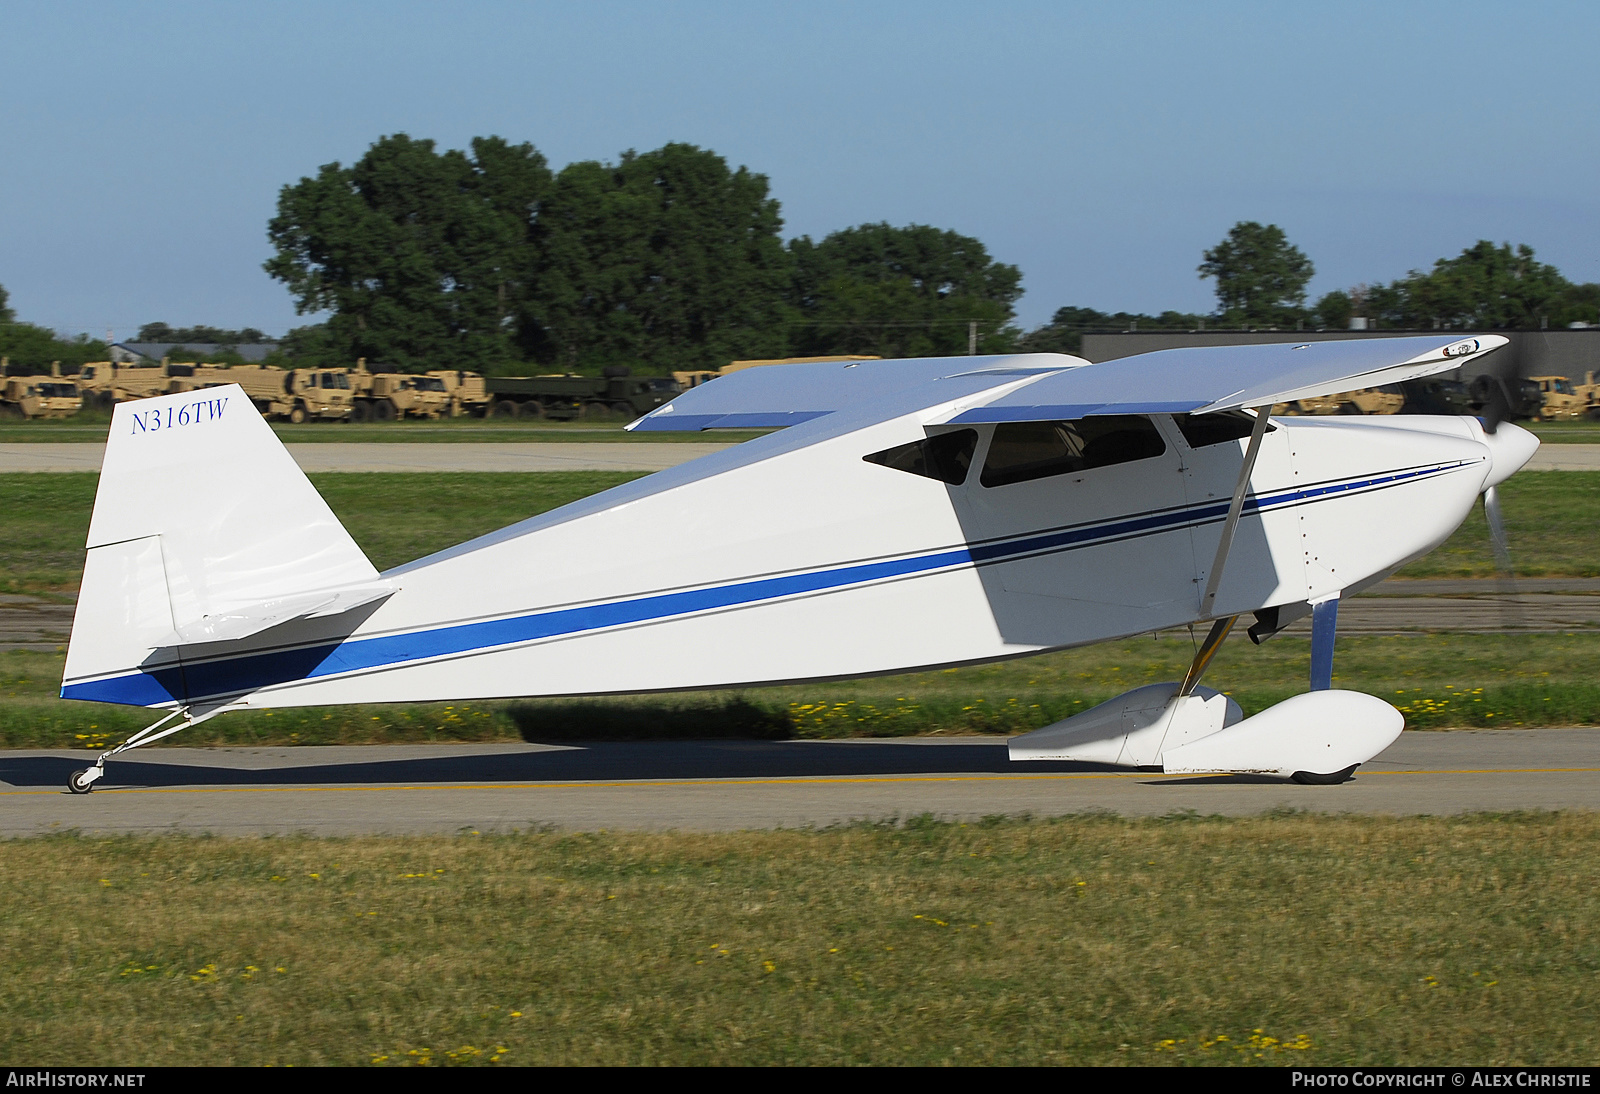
<point x="972" y="338"/>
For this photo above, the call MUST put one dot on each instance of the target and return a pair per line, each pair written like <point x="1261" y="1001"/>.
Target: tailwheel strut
<point x="81" y="782"/>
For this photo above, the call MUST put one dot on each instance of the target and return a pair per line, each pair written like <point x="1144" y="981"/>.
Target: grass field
<point x="1087" y="940"/>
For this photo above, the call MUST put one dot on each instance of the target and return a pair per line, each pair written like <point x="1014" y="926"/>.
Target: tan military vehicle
<point x="1387" y="399"/>
<point x="39" y="397"/>
<point x="695" y="378"/>
<point x="1589" y="391"/>
<point x="103" y="384"/>
<point x="263" y="384"/>
<point x="392" y="395"/>
<point x="1559" y="400"/>
<point x="325" y="394"/>
<point x="469" y="392"/>
<point x="687" y="380"/>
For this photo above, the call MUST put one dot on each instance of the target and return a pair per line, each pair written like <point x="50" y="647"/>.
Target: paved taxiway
<point x="541" y="456"/>
<point x="731" y="785"/>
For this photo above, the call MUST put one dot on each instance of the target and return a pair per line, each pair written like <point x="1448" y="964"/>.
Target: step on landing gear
<point x="81" y="782"/>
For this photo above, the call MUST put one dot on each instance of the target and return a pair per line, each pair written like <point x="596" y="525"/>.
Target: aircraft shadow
<point x="595" y="761"/>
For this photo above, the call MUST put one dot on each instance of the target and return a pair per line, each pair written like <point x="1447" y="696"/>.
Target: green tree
<point x="1334" y="310"/>
<point x="666" y="259"/>
<point x="420" y="256"/>
<point x="6" y="314"/>
<point x="1064" y="333"/>
<point x="1485" y="286"/>
<point x="32" y="348"/>
<point x="1261" y="277"/>
<point x="899" y="292"/>
<point x="161" y="332"/>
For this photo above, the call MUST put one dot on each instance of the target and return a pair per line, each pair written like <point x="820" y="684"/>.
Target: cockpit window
<point x="945" y="456"/>
<point x="1035" y="450"/>
<point x="1203" y="429"/>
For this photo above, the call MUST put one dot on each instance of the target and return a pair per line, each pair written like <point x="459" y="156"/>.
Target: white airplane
<point x="913" y="514"/>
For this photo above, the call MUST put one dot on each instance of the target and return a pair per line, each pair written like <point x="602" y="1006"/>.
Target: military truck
<point x="39" y="397"/>
<point x="1521" y="398"/>
<point x="1589" y="390"/>
<point x="392" y="395"/>
<point x="103" y="384"/>
<point x="1387" y="399"/>
<point x="469" y="393"/>
<point x="1435" y="395"/>
<point x="1559" y="400"/>
<point x="324" y="394"/>
<point x="263" y="384"/>
<point x="618" y="394"/>
<point x="687" y="380"/>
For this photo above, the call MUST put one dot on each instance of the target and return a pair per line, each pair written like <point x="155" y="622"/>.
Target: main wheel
<point x="505" y="408"/>
<point x="533" y="408"/>
<point x="361" y="412"/>
<point x="623" y="411"/>
<point x="297" y="416"/>
<point x="385" y="411"/>
<point x="596" y="411"/>
<point x="80" y="782"/>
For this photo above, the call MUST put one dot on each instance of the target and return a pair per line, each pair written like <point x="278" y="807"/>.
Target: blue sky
<point x="1100" y="147"/>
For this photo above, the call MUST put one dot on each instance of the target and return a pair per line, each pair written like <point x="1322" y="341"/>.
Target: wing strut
<point x="1235" y="507"/>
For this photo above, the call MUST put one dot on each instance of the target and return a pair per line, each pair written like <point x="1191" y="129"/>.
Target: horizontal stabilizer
<point x="231" y="624"/>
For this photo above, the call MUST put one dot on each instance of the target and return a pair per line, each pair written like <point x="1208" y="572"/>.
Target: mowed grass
<point x="394" y="517"/>
<point x="1086" y="940"/>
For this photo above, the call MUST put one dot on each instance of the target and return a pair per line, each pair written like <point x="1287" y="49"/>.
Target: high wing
<point x="1044" y="386"/>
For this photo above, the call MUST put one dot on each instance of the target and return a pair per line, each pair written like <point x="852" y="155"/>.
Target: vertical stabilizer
<point x="204" y="528"/>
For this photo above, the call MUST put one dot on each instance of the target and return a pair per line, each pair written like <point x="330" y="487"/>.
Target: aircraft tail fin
<point x="204" y="530"/>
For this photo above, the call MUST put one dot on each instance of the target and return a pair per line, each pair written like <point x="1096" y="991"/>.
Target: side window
<point x="1035" y="450"/>
<point x="1203" y="429"/>
<point x="945" y="456"/>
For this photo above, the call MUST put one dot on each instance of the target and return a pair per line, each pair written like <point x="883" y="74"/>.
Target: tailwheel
<point x="81" y="782"/>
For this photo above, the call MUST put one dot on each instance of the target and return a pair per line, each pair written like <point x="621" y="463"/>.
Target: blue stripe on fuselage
<point x="246" y="673"/>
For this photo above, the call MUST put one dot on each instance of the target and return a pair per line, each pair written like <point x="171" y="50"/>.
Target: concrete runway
<point x="734" y="785"/>
<point x="539" y="456"/>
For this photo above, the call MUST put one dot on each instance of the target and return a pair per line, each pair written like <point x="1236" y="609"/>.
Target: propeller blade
<point x="1497" y="530"/>
<point x="1496" y="402"/>
<point x="1511" y="607"/>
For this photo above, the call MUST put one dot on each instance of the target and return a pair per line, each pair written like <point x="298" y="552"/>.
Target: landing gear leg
<point x="81" y="782"/>
<point x="1324" y="629"/>
<point x="1208" y="650"/>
